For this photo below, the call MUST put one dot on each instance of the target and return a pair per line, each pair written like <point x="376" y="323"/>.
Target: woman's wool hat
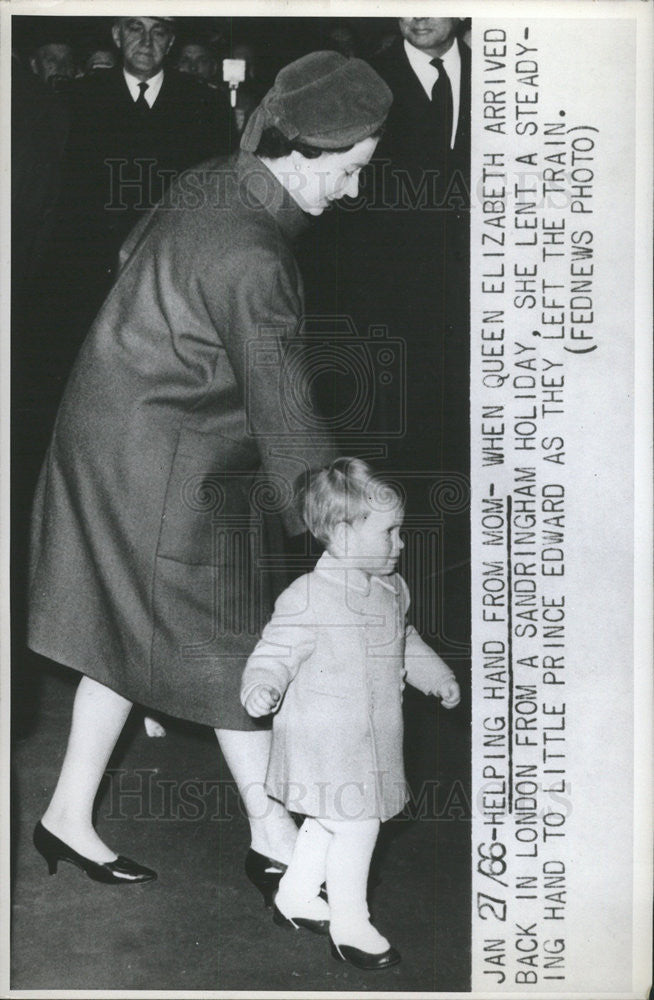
<point x="324" y="100"/>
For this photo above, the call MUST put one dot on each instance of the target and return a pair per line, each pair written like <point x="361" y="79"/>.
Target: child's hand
<point x="450" y="694"/>
<point x="262" y="701"/>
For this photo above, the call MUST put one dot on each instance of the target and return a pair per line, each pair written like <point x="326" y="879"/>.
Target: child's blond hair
<point x="346" y="490"/>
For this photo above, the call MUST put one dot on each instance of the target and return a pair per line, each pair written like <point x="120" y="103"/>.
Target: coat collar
<point x="351" y="578"/>
<point x="261" y="187"/>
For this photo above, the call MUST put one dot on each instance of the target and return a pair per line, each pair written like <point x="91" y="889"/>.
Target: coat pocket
<point x="207" y="515"/>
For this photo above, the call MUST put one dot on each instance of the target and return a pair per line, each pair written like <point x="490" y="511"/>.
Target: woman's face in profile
<point x="329" y="177"/>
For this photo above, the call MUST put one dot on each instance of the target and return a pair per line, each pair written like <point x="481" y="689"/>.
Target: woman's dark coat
<point x="179" y="437"/>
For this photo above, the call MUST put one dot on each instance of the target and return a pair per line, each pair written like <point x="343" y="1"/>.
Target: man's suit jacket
<point x="120" y="160"/>
<point x="404" y="265"/>
<point x="118" y="163"/>
<point x="406" y="270"/>
<point x="406" y="260"/>
<point x="416" y="175"/>
<point x="424" y="263"/>
<point x="409" y="135"/>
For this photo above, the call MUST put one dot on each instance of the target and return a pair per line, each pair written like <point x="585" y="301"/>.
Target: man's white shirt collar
<point x="154" y="86"/>
<point x="428" y="75"/>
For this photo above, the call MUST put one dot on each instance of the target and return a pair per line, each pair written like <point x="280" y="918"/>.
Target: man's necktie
<point x="441" y="97"/>
<point x="141" y="102"/>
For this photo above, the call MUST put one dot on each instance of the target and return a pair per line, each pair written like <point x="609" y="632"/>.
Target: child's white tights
<point x="338" y="852"/>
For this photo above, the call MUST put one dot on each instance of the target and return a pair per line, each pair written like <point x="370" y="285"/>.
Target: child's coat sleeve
<point x="286" y="642"/>
<point x="424" y="668"/>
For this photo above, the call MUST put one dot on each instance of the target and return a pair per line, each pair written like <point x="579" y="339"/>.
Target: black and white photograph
<point x="327" y="416"/>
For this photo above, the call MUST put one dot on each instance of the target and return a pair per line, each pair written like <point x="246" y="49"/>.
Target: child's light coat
<point x="338" y="648"/>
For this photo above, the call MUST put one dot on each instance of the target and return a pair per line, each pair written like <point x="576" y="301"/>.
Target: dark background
<point x="279" y="40"/>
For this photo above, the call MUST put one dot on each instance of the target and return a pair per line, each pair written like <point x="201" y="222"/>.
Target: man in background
<point x="420" y="190"/>
<point x="99" y="59"/>
<point x="195" y="57"/>
<point x="402" y="266"/>
<point x="53" y="61"/>
<point x="134" y="128"/>
<point x="421" y="234"/>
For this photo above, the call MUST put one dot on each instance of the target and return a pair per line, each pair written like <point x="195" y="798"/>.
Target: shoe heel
<point x="282" y="921"/>
<point x="265" y="881"/>
<point x="368" y="961"/>
<point x="268" y="893"/>
<point x="50" y="856"/>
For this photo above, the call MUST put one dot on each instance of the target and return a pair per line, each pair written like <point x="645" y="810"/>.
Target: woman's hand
<point x="262" y="700"/>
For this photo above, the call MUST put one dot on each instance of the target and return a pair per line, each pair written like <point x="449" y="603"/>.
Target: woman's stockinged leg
<point x="99" y="715"/>
<point x="272" y="829"/>
<point x="348" y="864"/>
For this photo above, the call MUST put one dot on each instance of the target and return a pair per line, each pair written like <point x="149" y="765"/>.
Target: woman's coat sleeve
<point x="262" y="314"/>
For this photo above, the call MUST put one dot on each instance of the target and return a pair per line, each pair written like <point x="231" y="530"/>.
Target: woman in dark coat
<point x="175" y="447"/>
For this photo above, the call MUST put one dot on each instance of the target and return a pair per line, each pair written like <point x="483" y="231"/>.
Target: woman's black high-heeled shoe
<point x="264" y="874"/>
<point x="366" y="960"/>
<point x="122" y="871"/>
<point x="297" y="923"/>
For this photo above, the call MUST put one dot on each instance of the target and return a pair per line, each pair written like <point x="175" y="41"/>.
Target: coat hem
<point x="151" y="704"/>
<point x="382" y="815"/>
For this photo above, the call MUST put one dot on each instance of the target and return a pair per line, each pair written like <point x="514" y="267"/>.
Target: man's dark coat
<point x="118" y="163"/>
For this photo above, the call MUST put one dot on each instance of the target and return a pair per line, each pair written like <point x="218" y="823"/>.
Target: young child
<point x="331" y="664"/>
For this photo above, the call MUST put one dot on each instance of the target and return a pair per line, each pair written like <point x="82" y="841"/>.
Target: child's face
<point x="373" y="543"/>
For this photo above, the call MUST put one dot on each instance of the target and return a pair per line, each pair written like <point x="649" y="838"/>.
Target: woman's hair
<point x="347" y="490"/>
<point x="273" y="145"/>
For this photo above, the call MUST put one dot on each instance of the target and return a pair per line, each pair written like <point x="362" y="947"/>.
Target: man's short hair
<point x="169" y="21"/>
<point x="346" y="490"/>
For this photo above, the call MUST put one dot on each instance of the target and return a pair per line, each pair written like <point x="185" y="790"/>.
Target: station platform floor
<point x="171" y="804"/>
